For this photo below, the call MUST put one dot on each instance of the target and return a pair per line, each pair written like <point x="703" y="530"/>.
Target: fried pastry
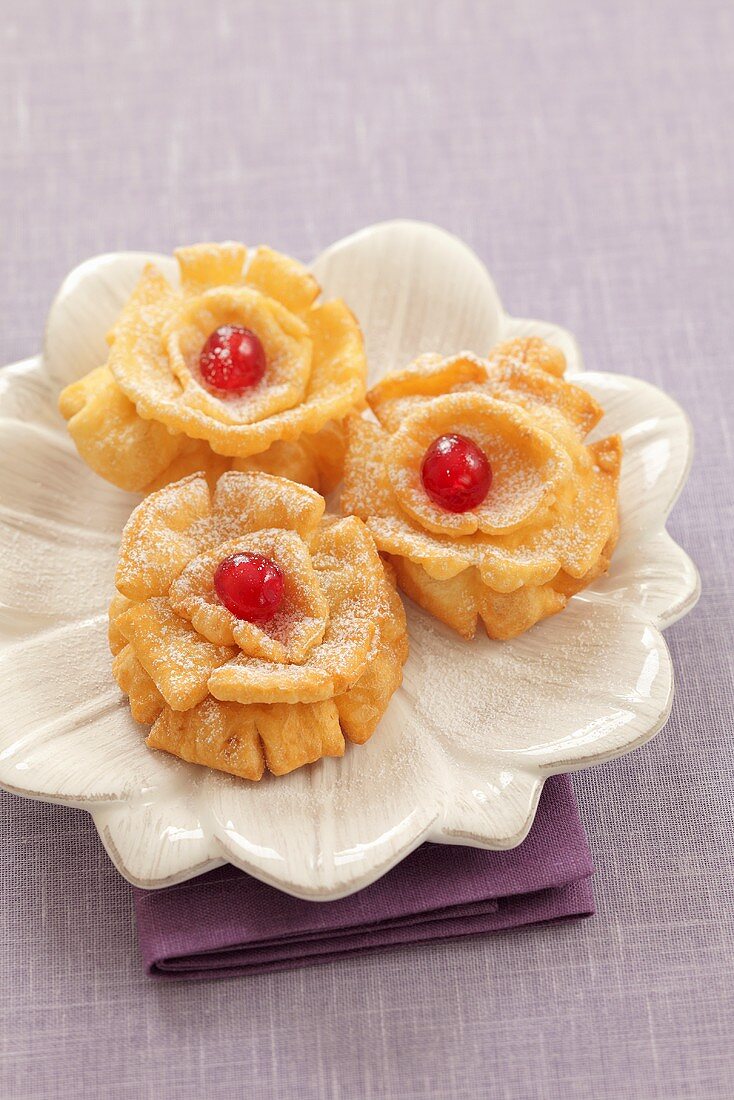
<point x="249" y="628"/>
<point x="240" y="367"/>
<point x="478" y="485"/>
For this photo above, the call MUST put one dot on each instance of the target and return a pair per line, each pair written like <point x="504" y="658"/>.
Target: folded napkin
<point x="226" y="923"/>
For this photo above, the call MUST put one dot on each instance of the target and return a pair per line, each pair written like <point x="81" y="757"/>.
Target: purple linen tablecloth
<point x="226" y="923"/>
<point x="585" y="150"/>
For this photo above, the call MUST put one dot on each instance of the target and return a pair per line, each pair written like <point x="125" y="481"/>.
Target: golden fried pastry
<point x="238" y="368"/>
<point x="251" y="630"/>
<point x="478" y="485"/>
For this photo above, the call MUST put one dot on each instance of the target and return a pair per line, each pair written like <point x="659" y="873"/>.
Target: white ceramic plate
<point x="463" y="750"/>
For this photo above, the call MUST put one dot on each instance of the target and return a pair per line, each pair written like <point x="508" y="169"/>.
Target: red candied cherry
<point x="232" y="359"/>
<point x="250" y="586"/>
<point x="455" y="473"/>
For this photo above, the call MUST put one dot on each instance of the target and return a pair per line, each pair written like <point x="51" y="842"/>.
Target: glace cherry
<point x="232" y="359"/>
<point x="250" y="586"/>
<point x="455" y="473"/>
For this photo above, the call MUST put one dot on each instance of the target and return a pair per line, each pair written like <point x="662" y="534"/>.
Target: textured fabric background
<point x="584" y="149"/>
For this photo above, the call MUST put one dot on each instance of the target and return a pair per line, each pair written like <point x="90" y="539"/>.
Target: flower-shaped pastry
<point x="249" y="628"/>
<point x="479" y="485"/>
<point x="239" y="367"/>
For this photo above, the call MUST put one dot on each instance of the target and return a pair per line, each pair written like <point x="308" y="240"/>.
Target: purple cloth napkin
<point x="227" y="923"/>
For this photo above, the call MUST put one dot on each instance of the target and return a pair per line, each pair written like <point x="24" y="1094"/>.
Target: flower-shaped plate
<point x="462" y="752"/>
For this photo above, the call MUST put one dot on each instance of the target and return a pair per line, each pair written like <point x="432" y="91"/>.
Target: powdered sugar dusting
<point x="507" y="694"/>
